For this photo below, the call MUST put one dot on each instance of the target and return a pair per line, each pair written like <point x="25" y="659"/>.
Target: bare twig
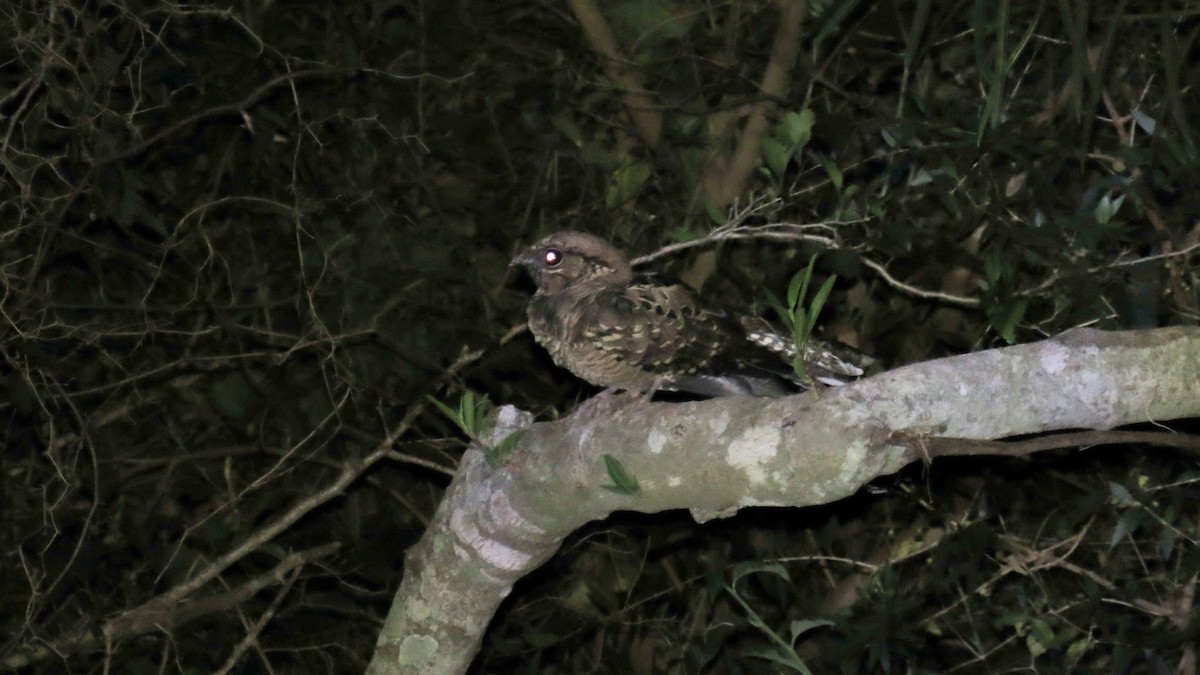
<point x="922" y="293"/>
<point x="257" y="627"/>
<point x="226" y="109"/>
<point x="823" y="234"/>
<point x="952" y="447"/>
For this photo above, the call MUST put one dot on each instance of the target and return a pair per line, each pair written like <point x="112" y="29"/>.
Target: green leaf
<point x="799" y="286"/>
<point x="1041" y="635"/>
<point x="1106" y="208"/>
<point x="470" y="413"/>
<point x="780" y="656"/>
<point x="833" y="22"/>
<point x="542" y="640"/>
<point x="1079" y="648"/>
<point x="776" y="155"/>
<point x="450" y="413"/>
<point x="622" y="482"/>
<point x="992" y="60"/>
<point x="834" y="173"/>
<point x="625" y="182"/>
<point x="648" y="23"/>
<point x="921" y="177"/>
<point x="785" y="315"/>
<point x="818" y="301"/>
<point x="466" y="411"/>
<point x="505" y="447"/>
<point x="1120" y="494"/>
<point x="1166" y="542"/>
<point x="566" y="126"/>
<point x="783" y="653"/>
<point x="681" y="234"/>
<point x="993" y="267"/>
<point x="800" y="318"/>
<point x="599" y="155"/>
<point x="802" y="626"/>
<point x="800" y="327"/>
<point x="1006" y="320"/>
<point x="715" y="213"/>
<point x="797" y="128"/>
<point x="742" y="569"/>
<point x="1127" y="524"/>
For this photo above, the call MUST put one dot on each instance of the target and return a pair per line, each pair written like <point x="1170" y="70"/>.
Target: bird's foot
<point x="603" y="403"/>
<point x="612" y="399"/>
<point x="647" y="395"/>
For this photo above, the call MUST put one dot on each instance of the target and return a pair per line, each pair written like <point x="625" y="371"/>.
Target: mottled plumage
<point x="618" y="329"/>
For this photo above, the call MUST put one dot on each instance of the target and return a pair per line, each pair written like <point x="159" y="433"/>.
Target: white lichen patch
<point x="753" y="450"/>
<point x="674" y="481"/>
<point x="418" y="610"/>
<point x="657" y="440"/>
<point x="852" y="463"/>
<point x="718" y="423"/>
<point x="417" y="650"/>
<point x="1054" y="358"/>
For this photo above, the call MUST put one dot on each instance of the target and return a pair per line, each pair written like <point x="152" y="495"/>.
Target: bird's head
<point x="565" y="259"/>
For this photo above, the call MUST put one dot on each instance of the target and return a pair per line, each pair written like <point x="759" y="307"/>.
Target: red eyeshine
<point x="551" y="257"/>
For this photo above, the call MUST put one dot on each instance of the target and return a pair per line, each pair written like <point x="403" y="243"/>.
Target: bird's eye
<point x="552" y="257"/>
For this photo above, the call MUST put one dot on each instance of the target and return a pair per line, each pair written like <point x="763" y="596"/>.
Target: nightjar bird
<point x="643" y="333"/>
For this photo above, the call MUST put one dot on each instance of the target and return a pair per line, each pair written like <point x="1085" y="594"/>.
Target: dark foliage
<point x="240" y="242"/>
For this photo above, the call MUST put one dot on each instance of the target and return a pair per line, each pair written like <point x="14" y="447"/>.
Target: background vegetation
<point x="241" y="242"/>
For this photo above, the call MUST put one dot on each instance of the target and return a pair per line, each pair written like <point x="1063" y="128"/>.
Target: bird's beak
<point x="524" y="259"/>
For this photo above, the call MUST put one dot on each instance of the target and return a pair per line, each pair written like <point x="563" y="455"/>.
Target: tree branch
<point x="497" y="524"/>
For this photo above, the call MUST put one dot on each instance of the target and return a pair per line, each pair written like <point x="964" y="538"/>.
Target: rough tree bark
<point x="498" y="523"/>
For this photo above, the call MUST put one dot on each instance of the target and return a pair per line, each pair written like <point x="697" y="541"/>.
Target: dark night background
<point x="241" y="241"/>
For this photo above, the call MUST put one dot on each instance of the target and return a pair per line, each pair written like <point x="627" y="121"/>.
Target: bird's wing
<point x="661" y="327"/>
<point x="657" y="324"/>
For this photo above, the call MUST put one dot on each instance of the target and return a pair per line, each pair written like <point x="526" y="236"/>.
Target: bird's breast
<point x="570" y="329"/>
